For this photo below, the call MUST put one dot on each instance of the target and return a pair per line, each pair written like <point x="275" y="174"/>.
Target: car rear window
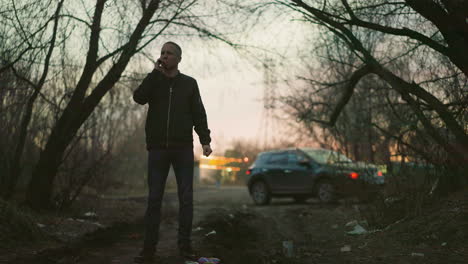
<point x="261" y="159"/>
<point x="277" y="158"/>
<point x="327" y="156"/>
<point x="292" y="159"/>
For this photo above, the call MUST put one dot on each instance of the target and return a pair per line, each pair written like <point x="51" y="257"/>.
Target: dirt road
<point x="228" y="226"/>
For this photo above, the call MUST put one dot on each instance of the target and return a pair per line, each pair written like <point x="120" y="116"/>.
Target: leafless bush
<point x="408" y="191"/>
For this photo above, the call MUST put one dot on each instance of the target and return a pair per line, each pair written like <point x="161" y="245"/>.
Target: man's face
<point x="169" y="56"/>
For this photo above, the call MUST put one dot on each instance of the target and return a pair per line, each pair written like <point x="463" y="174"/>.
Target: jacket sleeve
<point x="142" y="94"/>
<point x="199" y="117"/>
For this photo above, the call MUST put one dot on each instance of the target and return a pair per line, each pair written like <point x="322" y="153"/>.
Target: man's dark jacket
<point x="175" y="107"/>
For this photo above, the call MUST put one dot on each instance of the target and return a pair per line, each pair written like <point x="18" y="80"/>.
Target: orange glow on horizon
<point x="218" y="167"/>
<point x="218" y="160"/>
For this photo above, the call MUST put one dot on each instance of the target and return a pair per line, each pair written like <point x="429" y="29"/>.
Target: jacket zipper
<point x="168" y="116"/>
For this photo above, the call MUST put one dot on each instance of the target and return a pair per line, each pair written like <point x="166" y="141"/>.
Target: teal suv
<point x="302" y="173"/>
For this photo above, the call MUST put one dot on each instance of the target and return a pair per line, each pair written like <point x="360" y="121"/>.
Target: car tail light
<point x="379" y="173"/>
<point x="354" y="175"/>
<point x="248" y="172"/>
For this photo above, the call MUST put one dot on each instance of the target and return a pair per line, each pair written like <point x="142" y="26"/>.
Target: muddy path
<point x="228" y="226"/>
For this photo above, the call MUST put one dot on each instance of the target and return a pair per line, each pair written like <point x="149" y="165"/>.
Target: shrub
<point x="17" y="226"/>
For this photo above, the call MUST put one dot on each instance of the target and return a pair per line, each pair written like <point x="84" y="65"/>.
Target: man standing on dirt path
<point x="175" y="108"/>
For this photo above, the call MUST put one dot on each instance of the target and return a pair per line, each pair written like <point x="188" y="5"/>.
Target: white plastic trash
<point x="211" y="233"/>
<point x="90" y="214"/>
<point x="358" y="230"/>
<point x="351" y="223"/>
<point x="346" y="248"/>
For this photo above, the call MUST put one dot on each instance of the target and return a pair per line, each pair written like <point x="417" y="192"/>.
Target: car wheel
<point x="326" y="192"/>
<point x="260" y="194"/>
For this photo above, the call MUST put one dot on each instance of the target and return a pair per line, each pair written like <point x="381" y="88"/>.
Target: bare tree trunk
<point x="41" y="184"/>
<point x="15" y="170"/>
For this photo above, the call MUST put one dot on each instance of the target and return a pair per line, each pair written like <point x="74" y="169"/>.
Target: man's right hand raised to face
<point x="159" y="66"/>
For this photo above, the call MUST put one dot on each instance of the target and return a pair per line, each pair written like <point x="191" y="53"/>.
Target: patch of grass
<point x="18" y="226"/>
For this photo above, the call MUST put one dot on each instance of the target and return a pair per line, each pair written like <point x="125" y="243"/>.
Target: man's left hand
<point x="206" y="150"/>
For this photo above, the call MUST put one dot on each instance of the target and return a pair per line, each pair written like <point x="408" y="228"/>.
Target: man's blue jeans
<point x="159" y="161"/>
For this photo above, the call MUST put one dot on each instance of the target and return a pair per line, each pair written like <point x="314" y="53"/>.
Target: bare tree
<point x="428" y="33"/>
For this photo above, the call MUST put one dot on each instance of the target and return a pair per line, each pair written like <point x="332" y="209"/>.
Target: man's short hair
<point x="178" y="48"/>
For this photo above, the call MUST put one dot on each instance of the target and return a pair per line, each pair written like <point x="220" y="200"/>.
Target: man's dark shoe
<point x="186" y="251"/>
<point x="145" y="256"/>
